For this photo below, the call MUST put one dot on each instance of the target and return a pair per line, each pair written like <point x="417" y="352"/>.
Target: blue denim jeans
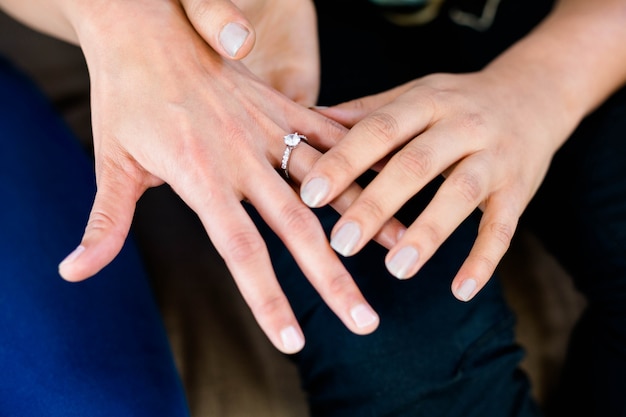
<point x="96" y="348"/>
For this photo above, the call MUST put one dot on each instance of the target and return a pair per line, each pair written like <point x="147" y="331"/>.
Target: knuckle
<point x="110" y="166"/>
<point x="416" y="161"/>
<point x="102" y="222"/>
<point x="431" y="234"/>
<point x="371" y="208"/>
<point x="468" y="185"/>
<point x="472" y="121"/>
<point x="243" y="246"/>
<point x="358" y="104"/>
<point x="269" y="306"/>
<point x="502" y="233"/>
<point x="332" y="129"/>
<point x="298" y="220"/>
<point x="475" y="127"/>
<point x="99" y="220"/>
<point x="382" y="126"/>
<point x="121" y="174"/>
<point x="339" y="284"/>
<point x="339" y="165"/>
<point x="489" y="264"/>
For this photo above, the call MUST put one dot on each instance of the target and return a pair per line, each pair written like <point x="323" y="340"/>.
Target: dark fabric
<point x="96" y="348"/>
<point x="364" y="53"/>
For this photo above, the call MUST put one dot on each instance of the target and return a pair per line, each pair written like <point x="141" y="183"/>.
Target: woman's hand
<point x="490" y="135"/>
<point x="166" y="108"/>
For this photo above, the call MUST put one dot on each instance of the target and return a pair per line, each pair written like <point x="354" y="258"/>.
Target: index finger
<point x="370" y="140"/>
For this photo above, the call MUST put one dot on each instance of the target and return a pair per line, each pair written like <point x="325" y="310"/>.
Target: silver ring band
<point x="291" y="141"/>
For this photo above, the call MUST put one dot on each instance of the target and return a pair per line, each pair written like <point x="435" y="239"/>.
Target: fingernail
<point x="465" y="291"/>
<point x="402" y="262"/>
<point x="363" y="316"/>
<point x="346" y="238"/>
<point x="73" y="256"/>
<point x="232" y="36"/>
<point x="292" y="339"/>
<point x="314" y="191"/>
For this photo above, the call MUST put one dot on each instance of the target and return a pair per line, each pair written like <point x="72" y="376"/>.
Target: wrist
<point x="117" y="34"/>
<point x="575" y="57"/>
<point x="538" y="96"/>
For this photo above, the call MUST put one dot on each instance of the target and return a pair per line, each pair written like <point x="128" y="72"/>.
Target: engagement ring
<point x="291" y="141"/>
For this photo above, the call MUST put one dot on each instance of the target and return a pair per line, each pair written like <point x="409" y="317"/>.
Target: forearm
<point x="576" y="57"/>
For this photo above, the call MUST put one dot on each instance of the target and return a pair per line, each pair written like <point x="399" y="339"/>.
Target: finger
<point x="222" y="25"/>
<point x="496" y="230"/>
<point x="301" y="161"/>
<point x="238" y="241"/>
<point x="324" y="133"/>
<point x="351" y="112"/>
<point x="363" y="146"/>
<point x="407" y="172"/>
<point x="303" y="235"/>
<point x="108" y="225"/>
<point x="459" y="196"/>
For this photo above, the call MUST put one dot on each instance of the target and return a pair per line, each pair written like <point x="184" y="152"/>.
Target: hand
<point x="168" y="109"/>
<point x="492" y="134"/>
<point x="283" y="33"/>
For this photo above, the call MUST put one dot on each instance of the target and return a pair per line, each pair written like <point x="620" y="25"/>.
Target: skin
<point x="171" y="104"/>
<point x="491" y="134"/>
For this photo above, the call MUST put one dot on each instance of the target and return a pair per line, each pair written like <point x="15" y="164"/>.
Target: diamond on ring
<point x="291" y="141"/>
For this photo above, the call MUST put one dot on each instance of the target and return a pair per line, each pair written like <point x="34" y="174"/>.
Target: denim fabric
<point x="96" y="348"/>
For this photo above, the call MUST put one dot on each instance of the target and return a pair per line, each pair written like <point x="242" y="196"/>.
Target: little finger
<point x="495" y="232"/>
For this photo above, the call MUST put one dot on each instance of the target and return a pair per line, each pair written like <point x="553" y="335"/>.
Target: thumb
<point x="106" y="231"/>
<point x="222" y="25"/>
